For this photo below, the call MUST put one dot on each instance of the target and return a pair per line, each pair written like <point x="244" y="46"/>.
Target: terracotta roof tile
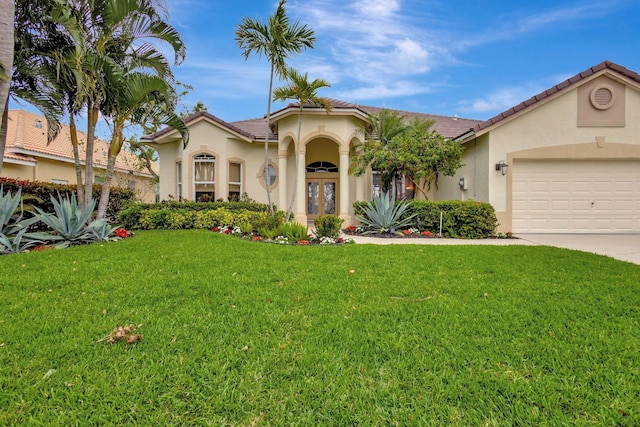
<point x="27" y="135"/>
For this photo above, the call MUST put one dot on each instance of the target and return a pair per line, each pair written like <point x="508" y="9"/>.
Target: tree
<point x="305" y="92"/>
<point x="276" y="40"/>
<point x="138" y="97"/>
<point x="424" y="155"/>
<point x="379" y="131"/>
<point x="115" y="32"/>
<point x="413" y="150"/>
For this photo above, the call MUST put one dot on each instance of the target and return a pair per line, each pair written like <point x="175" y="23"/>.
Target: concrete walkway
<point x="624" y="247"/>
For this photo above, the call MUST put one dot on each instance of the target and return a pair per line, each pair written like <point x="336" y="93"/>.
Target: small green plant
<point x="294" y="231"/>
<point x="268" y="233"/>
<point x="328" y="226"/>
<point x="17" y="243"/>
<point x="245" y="227"/>
<point x="383" y="215"/>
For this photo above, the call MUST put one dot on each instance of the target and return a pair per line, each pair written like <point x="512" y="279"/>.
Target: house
<point x="28" y="156"/>
<point x="565" y="161"/>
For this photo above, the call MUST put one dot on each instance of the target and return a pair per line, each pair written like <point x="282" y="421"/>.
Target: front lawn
<point x="244" y="333"/>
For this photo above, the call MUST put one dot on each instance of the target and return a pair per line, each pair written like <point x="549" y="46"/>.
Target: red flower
<point x="339" y="240"/>
<point x="42" y="248"/>
<point x="427" y="233"/>
<point x="303" y="242"/>
<point x="351" y="228"/>
<point x="256" y="238"/>
<point x="215" y="229"/>
<point x="227" y="231"/>
<point x="122" y="233"/>
<point x="406" y="232"/>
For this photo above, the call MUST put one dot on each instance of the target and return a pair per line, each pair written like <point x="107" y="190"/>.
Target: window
<point x="204" y="177"/>
<point x="98" y="179"/>
<point x="272" y="176"/>
<point x="235" y="181"/>
<point x="376" y="184"/>
<point x="405" y="188"/>
<point x="179" y="180"/>
<point x="322" y="167"/>
<point x="59" y="181"/>
<point x="131" y="184"/>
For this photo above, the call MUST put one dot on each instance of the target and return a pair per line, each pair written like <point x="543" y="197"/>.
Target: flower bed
<point x="310" y="240"/>
<point x="406" y="233"/>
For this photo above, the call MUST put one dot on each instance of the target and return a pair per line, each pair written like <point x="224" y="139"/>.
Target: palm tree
<point x="305" y="92"/>
<point x="139" y="97"/>
<point x="114" y="32"/>
<point x="276" y="40"/>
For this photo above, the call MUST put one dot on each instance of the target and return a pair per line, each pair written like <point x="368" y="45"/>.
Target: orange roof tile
<point x="27" y="136"/>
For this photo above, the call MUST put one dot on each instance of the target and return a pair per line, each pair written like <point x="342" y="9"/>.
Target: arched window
<point x="204" y="177"/>
<point x="322" y="167"/>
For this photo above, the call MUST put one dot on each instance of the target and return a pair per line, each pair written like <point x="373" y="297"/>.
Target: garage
<point x="576" y="196"/>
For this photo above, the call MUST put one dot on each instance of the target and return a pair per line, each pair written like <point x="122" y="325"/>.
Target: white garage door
<point x="576" y="196"/>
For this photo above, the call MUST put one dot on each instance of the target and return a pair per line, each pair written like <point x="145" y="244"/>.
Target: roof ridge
<point x="563" y="85"/>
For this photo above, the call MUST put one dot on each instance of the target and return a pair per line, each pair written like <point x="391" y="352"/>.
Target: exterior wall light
<point x="502" y="167"/>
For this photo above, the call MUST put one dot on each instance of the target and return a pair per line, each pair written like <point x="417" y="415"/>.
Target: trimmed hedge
<point x="119" y="196"/>
<point x="180" y="215"/>
<point x="463" y="220"/>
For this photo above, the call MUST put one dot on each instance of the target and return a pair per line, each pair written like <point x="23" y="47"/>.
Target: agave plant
<point x="383" y="215"/>
<point x="101" y="231"/>
<point x="68" y="223"/>
<point x="17" y="243"/>
<point x="12" y="228"/>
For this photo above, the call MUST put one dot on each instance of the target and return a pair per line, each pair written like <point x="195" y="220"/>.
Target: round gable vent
<point x="602" y="97"/>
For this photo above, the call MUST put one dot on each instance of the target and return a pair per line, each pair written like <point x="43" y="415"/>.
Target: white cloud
<point x="500" y="100"/>
<point x="516" y="24"/>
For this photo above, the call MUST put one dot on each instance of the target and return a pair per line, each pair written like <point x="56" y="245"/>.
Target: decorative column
<point x="301" y="199"/>
<point x="282" y="180"/>
<point x="344" y="185"/>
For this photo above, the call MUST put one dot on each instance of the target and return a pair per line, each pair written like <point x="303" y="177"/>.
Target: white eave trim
<point x="31" y="163"/>
<point x="68" y="160"/>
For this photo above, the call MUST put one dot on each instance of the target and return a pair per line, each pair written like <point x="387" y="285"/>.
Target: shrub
<point x="133" y="215"/>
<point x="43" y="191"/>
<point x="328" y="226"/>
<point x="214" y="218"/>
<point x="460" y="219"/>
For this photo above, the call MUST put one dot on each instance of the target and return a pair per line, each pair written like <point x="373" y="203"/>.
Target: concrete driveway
<point x="625" y="247"/>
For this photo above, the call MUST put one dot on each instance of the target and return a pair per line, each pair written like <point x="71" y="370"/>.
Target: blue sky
<point x="468" y="58"/>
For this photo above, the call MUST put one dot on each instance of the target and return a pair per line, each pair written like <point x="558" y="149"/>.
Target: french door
<point x="322" y="197"/>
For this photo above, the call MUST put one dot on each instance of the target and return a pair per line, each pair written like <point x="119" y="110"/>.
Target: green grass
<point x="243" y="333"/>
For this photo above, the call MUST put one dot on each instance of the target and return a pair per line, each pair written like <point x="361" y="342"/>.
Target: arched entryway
<point x="322" y="178"/>
<point x="322" y="185"/>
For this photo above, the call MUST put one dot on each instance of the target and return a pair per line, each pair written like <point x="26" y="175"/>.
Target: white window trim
<point x="204" y="158"/>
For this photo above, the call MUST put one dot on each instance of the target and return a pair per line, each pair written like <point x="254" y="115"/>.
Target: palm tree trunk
<point x="265" y="173"/>
<point x="92" y="118"/>
<point x="3" y="131"/>
<point x="106" y="187"/>
<point x="295" y="152"/>
<point x="76" y="158"/>
<point x="7" y="16"/>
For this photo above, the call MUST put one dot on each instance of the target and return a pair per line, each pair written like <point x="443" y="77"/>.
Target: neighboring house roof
<point x="254" y="129"/>
<point x="27" y="140"/>
<point x="560" y="87"/>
